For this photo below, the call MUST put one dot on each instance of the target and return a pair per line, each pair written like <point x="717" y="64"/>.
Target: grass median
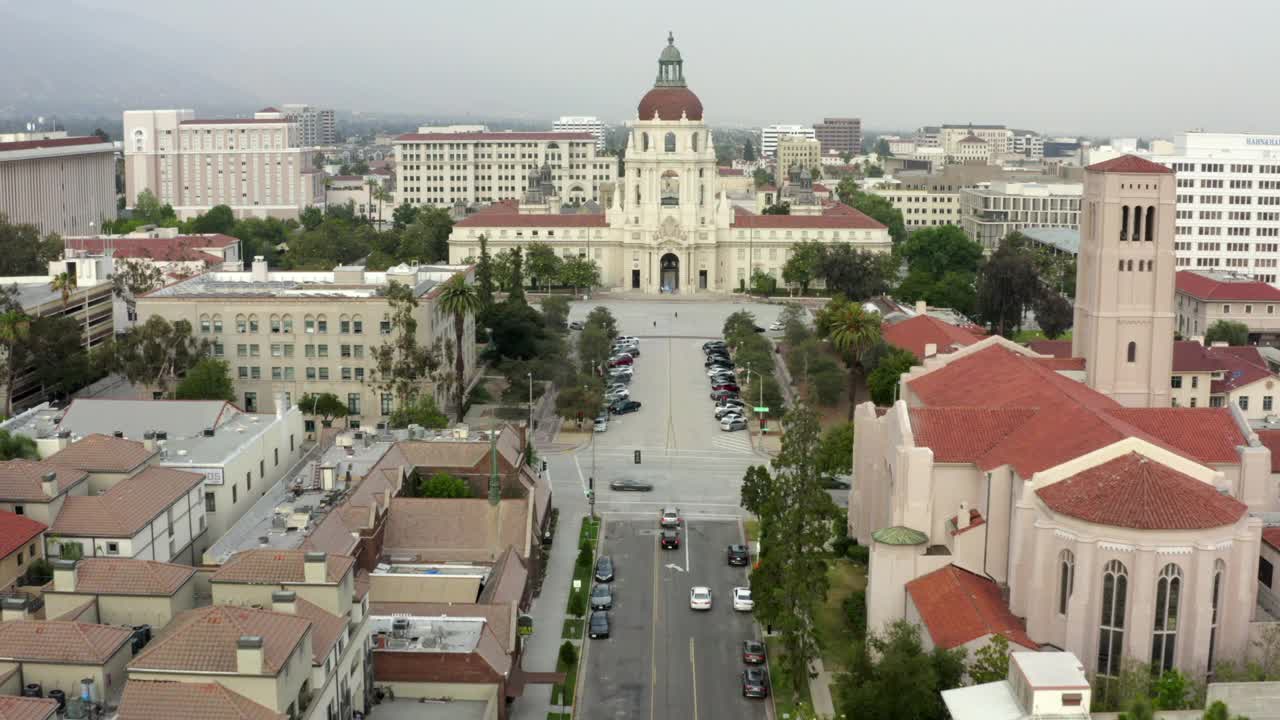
<point x="576" y="606"/>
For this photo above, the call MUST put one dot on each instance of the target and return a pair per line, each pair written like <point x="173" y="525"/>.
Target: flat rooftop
<point x="405" y="633"/>
<point x="412" y="709"/>
<point x="318" y="284"/>
<point x="1055" y="670"/>
<point x="431" y="569"/>
<point x="34" y="291"/>
<point x="1064" y="239"/>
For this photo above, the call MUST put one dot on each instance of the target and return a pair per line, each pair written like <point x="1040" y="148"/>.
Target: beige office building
<point x="796" y="153"/>
<point x="61" y="185"/>
<point x="990" y="211"/>
<point x="257" y="165"/>
<point x="293" y="333"/>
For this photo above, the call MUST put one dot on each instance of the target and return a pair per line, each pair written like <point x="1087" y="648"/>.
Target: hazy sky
<point x="1123" y="67"/>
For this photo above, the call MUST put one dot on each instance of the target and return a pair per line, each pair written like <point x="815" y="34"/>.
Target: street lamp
<point x="529" y="441"/>
<point x="761" y="394"/>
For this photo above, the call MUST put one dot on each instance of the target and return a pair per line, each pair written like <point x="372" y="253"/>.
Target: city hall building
<point x="668" y="226"/>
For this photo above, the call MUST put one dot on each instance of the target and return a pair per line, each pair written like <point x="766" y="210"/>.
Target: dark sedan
<point x="599" y="628"/>
<point x="723" y="394"/>
<point x="622" y="407"/>
<point x="604" y="569"/>
<point x="620" y="360"/>
<point x="629" y="485"/>
<point x="738" y="555"/>
<point x="755" y="684"/>
<point x="601" y="598"/>
<point x="753" y="652"/>
<point x="710" y="344"/>
<point x="670" y="539"/>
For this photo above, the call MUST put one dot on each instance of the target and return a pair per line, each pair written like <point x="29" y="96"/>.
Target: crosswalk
<point x="735" y="441"/>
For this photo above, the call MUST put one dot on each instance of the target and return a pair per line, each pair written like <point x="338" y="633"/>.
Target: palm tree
<point x="64" y="283"/>
<point x="854" y="331"/>
<point x="14" y="325"/>
<point x="458" y="298"/>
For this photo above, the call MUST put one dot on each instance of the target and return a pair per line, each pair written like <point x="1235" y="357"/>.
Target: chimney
<point x="149" y="441"/>
<point x="314" y="566"/>
<point x="327" y="475"/>
<point x="962" y="517"/>
<point x="13" y="608"/>
<point x="922" y="308"/>
<point x="49" y="484"/>
<point x="930" y="349"/>
<point x="64" y="575"/>
<point x="284" y="601"/>
<point x="259" y="268"/>
<point x="249" y="655"/>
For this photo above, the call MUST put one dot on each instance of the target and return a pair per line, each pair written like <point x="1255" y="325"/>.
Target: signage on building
<point x="1262" y="141"/>
<point x="212" y="476"/>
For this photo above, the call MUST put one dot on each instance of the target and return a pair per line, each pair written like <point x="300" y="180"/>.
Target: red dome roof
<point x="670" y="103"/>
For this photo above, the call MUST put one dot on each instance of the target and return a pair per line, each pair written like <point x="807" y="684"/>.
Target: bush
<point x="584" y="555"/>
<point x="577" y="603"/>
<point x="841" y="546"/>
<point x="855" y="612"/>
<point x="860" y="554"/>
<point x="568" y="653"/>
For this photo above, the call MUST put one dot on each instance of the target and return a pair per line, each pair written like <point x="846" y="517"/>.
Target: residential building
<point x="71" y="657"/>
<point x="239" y="454"/>
<point x="315" y="126"/>
<point x="21" y="543"/>
<point x="121" y="591"/>
<point x="442" y="169"/>
<point x="61" y="185"/>
<point x="581" y="124"/>
<point x="27" y="708"/>
<point x="795" y="153"/>
<point x="257" y="166"/>
<point x="840" y="135"/>
<point x="152" y="699"/>
<point x="990" y="211"/>
<point x="287" y="334"/>
<point x="1126" y="528"/>
<point x="771" y="134"/>
<point x="37" y="490"/>
<point x="670" y="226"/>
<point x="1040" y="686"/>
<point x="1205" y="297"/>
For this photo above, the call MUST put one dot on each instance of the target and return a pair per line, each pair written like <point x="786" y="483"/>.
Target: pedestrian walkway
<point x="734" y="442"/>
<point x="820" y="682"/>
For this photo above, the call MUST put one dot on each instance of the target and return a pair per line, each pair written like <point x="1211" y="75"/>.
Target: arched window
<point x="1132" y="353"/>
<point x="139" y="138"/>
<point x="1115" y="581"/>
<point x="205" y="326"/>
<point x="1137" y="223"/>
<point x="322" y="324"/>
<point x="217" y="323"/>
<point x="309" y="325"/>
<point x="286" y="323"/>
<point x="669" y="142"/>
<point x="344" y="324"/>
<point x="1066" y="579"/>
<point x="357" y="324"/>
<point x="1151" y="223"/>
<point x="693" y="143"/>
<point x="275" y="324"/>
<point x="1165" y="632"/>
<point x="644" y="141"/>
<point x="1219" y="574"/>
<point x="242" y="325"/>
<point x="253" y="323"/>
<point x="1124" y="223"/>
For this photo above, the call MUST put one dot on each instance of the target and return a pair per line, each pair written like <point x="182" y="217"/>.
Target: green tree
<point x="762" y="283"/>
<point x="555" y="310"/>
<point x="149" y="211"/>
<point x="778" y="208"/>
<point x="991" y="661"/>
<point x="593" y="347"/>
<point x="576" y="272"/>
<point x="1007" y="285"/>
<point x="208" y="379"/>
<point x="883" y="381"/>
<point x="802" y="267"/>
<point x="515" y="286"/>
<point x="892" y="677"/>
<point x="761" y="177"/>
<point x="874" y="206"/>
<point x="403" y="367"/>
<point x="544" y="264"/>
<point x="875" y="171"/>
<point x="14" y="329"/>
<point x="15" y="447"/>
<point x="835" y="451"/>
<point x="748" y="151"/>
<point x="218" y="219"/>
<point x="154" y="355"/>
<point x="1139" y="709"/>
<point x="422" y="411"/>
<point x="23" y="251"/>
<point x="1054" y="313"/>
<point x="1218" y="711"/>
<point x="795" y="329"/>
<point x="311" y="217"/>
<point x="64" y="283"/>
<point x="1231" y="332"/>
<point x="403" y="216"/>
<point x="854" y="331"/>
<point x="133" y="278"/>
<point x="517" y="330"/>
<point x="939" y="250"/>
<point x="459" y="299"/>
<point x="855" y="273"/>
<point x="325" y="406"/>
<point x="580" y="401"/>
<point x="600" y="316"/>
<point x="738" y="327"/>
<point x="484" y="274"/>
<point x="444" y="485"/>
<point x="502" y="270"/>
<point x="55" y="348"/>
<point x="426" y="239"/>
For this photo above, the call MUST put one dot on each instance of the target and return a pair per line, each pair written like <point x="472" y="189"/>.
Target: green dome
<point x="898" y="535"/>
<point x="670" y="53"/>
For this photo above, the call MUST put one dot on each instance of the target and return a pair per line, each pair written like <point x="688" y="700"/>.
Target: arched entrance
<point x="670" y="273"/>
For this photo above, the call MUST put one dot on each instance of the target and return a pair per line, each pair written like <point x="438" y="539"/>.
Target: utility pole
<point x="529" y="439"/>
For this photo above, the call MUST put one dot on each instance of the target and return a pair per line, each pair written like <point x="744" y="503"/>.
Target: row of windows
<point x="283" y="324"/>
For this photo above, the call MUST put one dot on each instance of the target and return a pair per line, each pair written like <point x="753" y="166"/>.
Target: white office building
<point x="990" y="211"/>
<point x="581" y="124"/>
<point x="771" y="134"/>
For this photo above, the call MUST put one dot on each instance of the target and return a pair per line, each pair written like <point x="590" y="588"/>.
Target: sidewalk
<point x="820" y="689"/>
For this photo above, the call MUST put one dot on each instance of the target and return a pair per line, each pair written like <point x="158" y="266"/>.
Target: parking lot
<point x="663" y="659"/>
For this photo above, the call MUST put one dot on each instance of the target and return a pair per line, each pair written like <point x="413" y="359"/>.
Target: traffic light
<point x="637" y="457"/>
<point x="591" y="483"/>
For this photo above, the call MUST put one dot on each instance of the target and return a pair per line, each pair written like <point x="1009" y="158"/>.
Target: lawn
<point x="572" y="629"/>
<point x="752" y="529"/>
<point x="844" y="576"/>
<point x="1026" y="336"/>
<point x="566" y="691"/>
<point x="581" y="573"/>
<point x="786" y="703"/>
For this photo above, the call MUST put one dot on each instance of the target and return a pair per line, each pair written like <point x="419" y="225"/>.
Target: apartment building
<point x="990" y="211"/>
<point x="121" y="591"/>
<point x="257" y="166"/>
<point x="68" y="656"/>
<point x="315" y="126"/>
<point x="839" y="136"/>
<point x="21" y="543"/>
<point x="771" y="134"/>
<point x="471" y="168"/>
<point x="287" y="334"/>
<point x="581" y="124"/>
<point x="1204" y="297"/>
<point x="795" y="153"/>
<point x="64" y="185"/>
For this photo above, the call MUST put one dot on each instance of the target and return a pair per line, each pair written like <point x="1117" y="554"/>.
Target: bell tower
<point x="1124" y="314"/>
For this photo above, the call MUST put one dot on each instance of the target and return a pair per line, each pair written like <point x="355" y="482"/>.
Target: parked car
<point x="600" y="426"/>
<point x="604" y="569"/>
<point x="620" y="360"/>
<point x="708" y="345"/>
<point x="576" y="325"/>
<point x="723" y="376"/>
<point x="712" y="360"/>
<point x="742" y="601"/>
<point x="630" y="485"/>
<point x="722" y="394"/>
<point x="755" y="684"/>
<point x="670" y="540"/>
<point x="670" y="517"/>
<point x="739" y="555"/>
<point x="627" y="338"/>
<point x="615" y="395"/>
<point x="621" y="374"/>
<point x="726" y="386"/>
<point x="599" y="626"/>
<point x="622" y="407"/>
<point x="632" y="350"/>
<point x="753" y="652"/>
<point x="700" y="598"/>
<point x="731" y="424"/>
<point x="731" y="403"/>
<point x="777" y="325"/>
<point x="601" y="598"/>
<point x="729" y="410"/>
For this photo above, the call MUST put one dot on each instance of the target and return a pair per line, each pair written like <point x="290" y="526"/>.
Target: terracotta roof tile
<point x="508" y="215"/>
<point x="964" y="434"/>
<point x="127" y="576"/>
<point x="68" y="643"/>
<point x="1271" y="439"/>
<point x="16" y="531"/>
<point x="152" y="699"/>
<point x="128" y="506"/>
<point x="914" y="333"/>
<point x="102" y="453"/>
<point x="181" y="248"/>
<point x="20" y="479"/>
<point x="455" y="529"/>
<point x="1241" y="366"/>
<point x="54" y="142"/>
<point x="1133" y="491"/>
<point x="1271" y="536"/>
<point x="729" y="172"/>
<point x="325" y="628"/>
<point x="1059" y="364"/>
<point x="1052" y="348"/>
<point x="836" y="217"/>
<point x="1129" y="164"/>
<point x="1208" y="435"/>
<point x="1204" y="287"/>
<point x="273" y="567"/>
<point x="957" y="607"/>
<point x="27" y="708"/>
<point x="78" y="613"/>
<point x="1191" y="356"/>
<point x="204" y="640"/>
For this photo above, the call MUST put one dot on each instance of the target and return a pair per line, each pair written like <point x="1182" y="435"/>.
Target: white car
<point x="711" y="372"/>
<point x="777" y="325"/>
<point x="622" y="370"/>
<point x="622" y="394"/>
<point x="601" y="426"/>
<point x="742" y="599"/>
<point x="627" y="339"/>
<point x="700" y="598"/>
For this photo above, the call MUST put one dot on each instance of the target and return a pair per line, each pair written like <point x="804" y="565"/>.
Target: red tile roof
<point x="53" y="641"/>
<point x="493" y="136"/>
<point x="728" y="171"/>
<point x="1241" y="366"/>
<point x="914" y="333"/>
<point x="53" y="142"/>
<point x="325" y="628"/>
<point x="27" y="708"/>
<point x="1271" y="536"/>
<point x="1129" y="164"/>
<point x="153" y="699"/>
<point x="508" y="215"/>
<point x="269" y="109"/>
<point x="128" y="506"/>
<point x="1204" y="287"/>
<point x="1133" y="491"/>
<point x="1053" y="348"/>
<point x="1058" y="364"/>
<point x="1208" y="435"/>
<point x="20" y="479"/>
<point x="958" y="606"/>
<point x="204" y="640"/>
<point x="837" y="216"/>
<point x="102" y="453"/>
<point x="128" y="576"/>
<point x="1191" y="356"/>
<point x="669" y="103"/>
<point x="964" y="434"/>
<point x="274" y="567"/>
<point x="1271" y="439"/>
<point x="16" y="531"/>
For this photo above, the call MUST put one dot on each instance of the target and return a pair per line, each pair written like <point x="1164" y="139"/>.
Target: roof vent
<point x="162" y="435"/>
<point x="64" y="434"/>
<point x="117" y="433"/>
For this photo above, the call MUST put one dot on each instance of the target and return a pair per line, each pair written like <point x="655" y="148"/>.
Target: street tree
<point x="154" y="354"/>
<point x="802" y="267"/>
<point x="208" y="379"/>
<point x="1231" y="332"/>
<point x="403" y="366"/>
<point x="835" y="451"/>
<point x="892" y="677"/>
<point x="555" y="310"/>
<point x="459" y="299"/>
<point x="853" y="332"/>
<point x="854" y="273"/>
<point x="576" y="272"/>
<point x="544" y="264"/>
<point x="1007" y="285"/>
<point x="325" y="406"/>
<point x="600" y="316"/>
<point x="593" y="348"/>
<point x="738" y="327"/>
<point x="1054" y="313"/>
<point x="580" y="400"/>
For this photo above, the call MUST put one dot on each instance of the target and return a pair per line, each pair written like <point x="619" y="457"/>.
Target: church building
<point x="669" y="226"/>
<point x="1001" y="495"/>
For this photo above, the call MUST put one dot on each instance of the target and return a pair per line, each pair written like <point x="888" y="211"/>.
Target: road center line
<point x="687" y="534"/>
<point x="693" y="666"/>
<point x="653" y="639"/>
